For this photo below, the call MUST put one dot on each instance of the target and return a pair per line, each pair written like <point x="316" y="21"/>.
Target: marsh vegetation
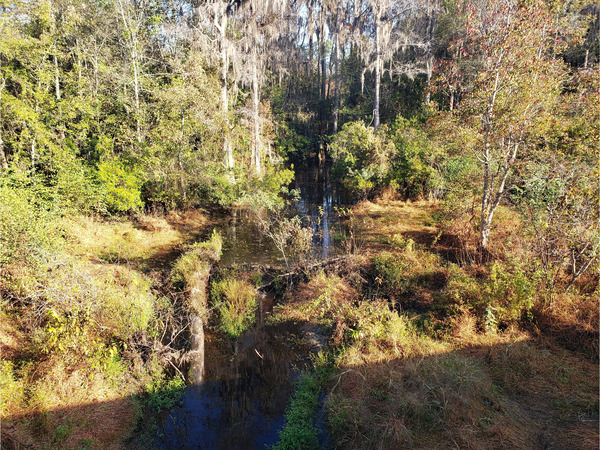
<point x="348" y="224"/>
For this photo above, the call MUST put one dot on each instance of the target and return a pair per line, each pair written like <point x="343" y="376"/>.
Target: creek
<point x="247" y="384"/>
<point x="319" y="197"/>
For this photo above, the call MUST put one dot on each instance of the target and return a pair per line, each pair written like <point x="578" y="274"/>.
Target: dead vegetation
<point x="435" y="347"/>
<point x="91" y="336"/>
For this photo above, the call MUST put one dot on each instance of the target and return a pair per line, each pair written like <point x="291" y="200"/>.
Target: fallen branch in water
<point x="303" y="270"/>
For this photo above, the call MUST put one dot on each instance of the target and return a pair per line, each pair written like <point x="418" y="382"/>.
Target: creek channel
<point x="247" y="384"/>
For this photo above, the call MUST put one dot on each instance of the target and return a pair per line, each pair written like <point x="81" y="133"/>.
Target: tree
<point x="391" y="28"/>
<point x="519" y="82"/>
<point x="212" y="19"/>
<point x="258" y="21"/>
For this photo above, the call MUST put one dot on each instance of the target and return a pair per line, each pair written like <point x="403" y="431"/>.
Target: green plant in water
<point x="237" y="305"/>
<point x="164" y="394"/>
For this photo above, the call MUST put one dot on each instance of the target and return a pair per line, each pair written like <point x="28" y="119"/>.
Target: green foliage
<point x="116" y="300"/>
<point x="163" y="393"/>
<point x="11" y="386"/>
<point x="506" y="295"/>
<point x="412" y="169"/>
<point x="362" y="157"/>
<point x="374" y="323"/>
<point x="62" y="432"/>
<point x="236" y="303"/>
<point x="393" y="275"/>
<point x="300" y="431"/>
<point x="28" y="220"/>
<point x="122" y="186"/>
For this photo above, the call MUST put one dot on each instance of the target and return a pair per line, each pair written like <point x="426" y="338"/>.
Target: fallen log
<point x="303" y="270"/>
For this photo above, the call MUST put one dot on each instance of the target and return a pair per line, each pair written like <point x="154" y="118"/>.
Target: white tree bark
<point x="256" y="150"/>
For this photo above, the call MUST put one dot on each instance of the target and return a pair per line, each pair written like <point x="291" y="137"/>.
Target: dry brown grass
<point x="464" y="388"/>
<point x="378" y="222"/>
<point x="573" y="321"/>
<point x="119" y="241"/>
<point x="70" y="359"/>
<point x="62" y="405"/>
<point x="476" y="391"/>
<point x="137" y="242"/>
<point x="10" y="337"/>
<point x="432" y="400"/>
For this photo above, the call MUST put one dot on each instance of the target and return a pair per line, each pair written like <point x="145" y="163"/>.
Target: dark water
<point x="318" y="205"/>
<point x="247" y="384"/>
<point x="241" y="403"/>
<point x="319" y="198"/>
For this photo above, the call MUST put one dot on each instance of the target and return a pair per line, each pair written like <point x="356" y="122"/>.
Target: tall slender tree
<point x="518" y="84"/>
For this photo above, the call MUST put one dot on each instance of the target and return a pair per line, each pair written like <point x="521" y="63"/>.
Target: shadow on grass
<point x="505" y="395"/>
<point x="516" y="395"/>
<point x="240" y="405"/>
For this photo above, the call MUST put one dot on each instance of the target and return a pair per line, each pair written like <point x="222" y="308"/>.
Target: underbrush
<point x="235" y="301"/>
<point x="430" y="352"/>
<point x="86" y="335"/>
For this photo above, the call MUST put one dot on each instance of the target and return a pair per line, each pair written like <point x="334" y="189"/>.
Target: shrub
<point x="505" y="295"/>
<point x="75" y="184"/>
<point x="362" y="157"/>
<point x="236" y="304"/>
<point x="11" y="388"/>
<point x="122" y="186"/>
<point x="28" y="220"/>
<point x="412" y="169"/>
<point x="163" y="393"/>
<point x="392" y="274"/>
<point x="115" y="299"/>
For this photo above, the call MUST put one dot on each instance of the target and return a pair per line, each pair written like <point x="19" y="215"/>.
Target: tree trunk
<point x="256" y="118"/>
<point x="56" y="77"/>
<point x="133" y="51"/>
<point x="227" y="150"/>
<point x="429" y="69"/>
<point x="3" y="160"/>
<point x="336" y="110"/>
<point x="377" y="74"/>
<point x="180" y="162"/>
<point x="33" y="154"/>
<point x="322" y="70"/>
<point x="136" y="88"/>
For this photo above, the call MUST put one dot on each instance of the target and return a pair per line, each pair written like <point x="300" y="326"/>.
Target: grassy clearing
<point x="82" y="354"/>
<point x="139" y="242"/>
<point x="431" y="351"/>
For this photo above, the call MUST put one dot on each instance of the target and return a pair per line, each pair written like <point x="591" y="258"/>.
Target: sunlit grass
<point x="77" y="354"/>
<point x="236" y="303"/>
<point x="430" y="353"/>
<point x="120" y="241"/>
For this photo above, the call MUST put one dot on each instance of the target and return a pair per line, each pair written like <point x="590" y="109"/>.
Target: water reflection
<point x="319" y="197"/>
<point x="241" y="403"/>
<point x="316" y="205"/>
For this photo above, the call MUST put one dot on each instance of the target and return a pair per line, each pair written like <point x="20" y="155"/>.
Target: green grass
<point x="300" y="431"/>
<point x="236" y="305"/>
